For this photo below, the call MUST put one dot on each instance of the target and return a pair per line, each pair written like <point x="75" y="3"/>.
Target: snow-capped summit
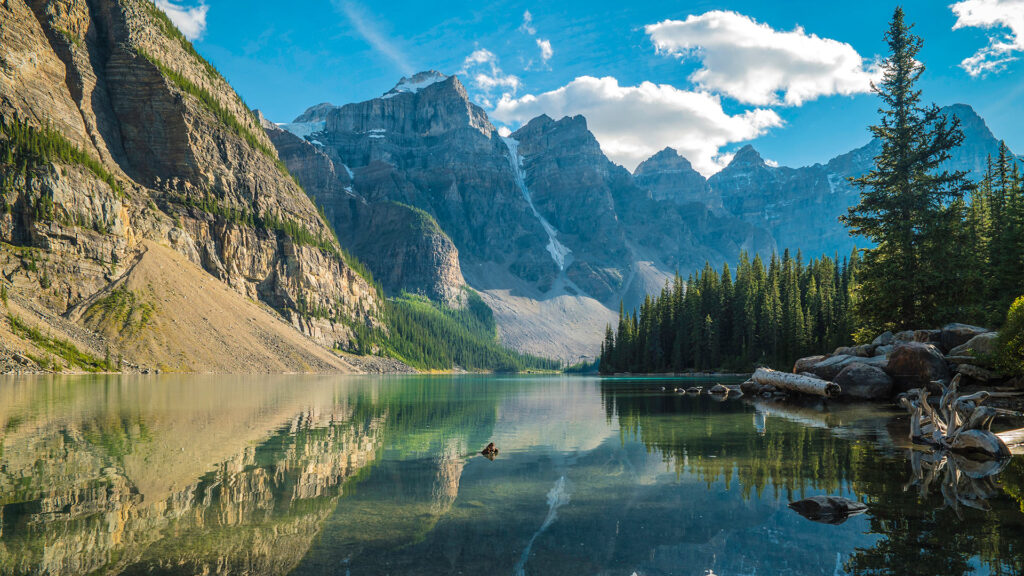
<point x="419" y="81"/>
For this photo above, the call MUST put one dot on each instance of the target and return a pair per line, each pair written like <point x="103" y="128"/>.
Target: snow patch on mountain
<point x="416" y="83"/>
<point x="559" y="252"/>
<point x="303" y="129"/>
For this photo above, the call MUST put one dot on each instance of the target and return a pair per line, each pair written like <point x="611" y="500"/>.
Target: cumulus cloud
<point x="481" y="67"/>
<point x="1003" y="46"/>
<point x="634" y="122"/>
<point x="191" y="21"/>
<point x="545" y="50"/>
<point x="755" y="64"/>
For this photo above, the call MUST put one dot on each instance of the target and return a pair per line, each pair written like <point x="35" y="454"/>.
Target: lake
<point x="311" y="475"/>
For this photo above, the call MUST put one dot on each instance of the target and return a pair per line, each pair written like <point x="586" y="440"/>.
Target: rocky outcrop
<point x="407" y="250"/>
<point x="176" y="157"/>
<point x="670" y="177"/>
<point x="860" y="381"/>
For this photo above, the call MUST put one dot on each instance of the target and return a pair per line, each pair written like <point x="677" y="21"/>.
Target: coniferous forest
<point x="763" y="314"/>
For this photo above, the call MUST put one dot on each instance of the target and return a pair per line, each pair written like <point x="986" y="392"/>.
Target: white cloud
<point x="990" y="14"/>
<point x="482" y="68"/>
<point x="545" y="50"/>
<point x="191" y="21"/>
<point x="527" y="25"/>
<point x="634" y="122"/>
<point x="368" y="29"/>
<point x="754" y="63"/>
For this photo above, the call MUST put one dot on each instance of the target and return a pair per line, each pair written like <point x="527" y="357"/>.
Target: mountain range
<point x="151" y="215"/>
<point x="424" y="189"/>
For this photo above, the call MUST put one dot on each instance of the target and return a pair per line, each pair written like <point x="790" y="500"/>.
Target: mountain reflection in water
<point x="365" y="475"/>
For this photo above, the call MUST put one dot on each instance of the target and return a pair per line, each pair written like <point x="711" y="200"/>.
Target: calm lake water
<point x="360" y="475"/>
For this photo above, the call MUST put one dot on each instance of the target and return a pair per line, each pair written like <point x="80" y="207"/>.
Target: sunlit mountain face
<point x="360" y="475"/>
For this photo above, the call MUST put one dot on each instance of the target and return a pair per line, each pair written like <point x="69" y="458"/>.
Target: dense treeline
<point x="992" y="239"/>
<point x="767" y="315"/>
<point x="946" y="249"/>
<point x="431" y="336"/>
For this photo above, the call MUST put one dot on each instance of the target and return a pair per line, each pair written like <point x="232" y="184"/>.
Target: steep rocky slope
<point x="117" y="132"/>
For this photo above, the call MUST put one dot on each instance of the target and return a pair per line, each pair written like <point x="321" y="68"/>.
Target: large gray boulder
<point x="804" y="364"/>
<point x="915" y="365"/>
<point x="861" y="381"/>
<point x="954" y="335"/>
<point x="829" y="368"/>
<point x="883" y="339"/>
<point x="979" y="346"/>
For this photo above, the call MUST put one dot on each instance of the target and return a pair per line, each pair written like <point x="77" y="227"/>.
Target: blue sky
<point x="796" y="94"/>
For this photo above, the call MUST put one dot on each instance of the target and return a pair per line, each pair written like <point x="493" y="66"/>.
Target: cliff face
<point x="168" y="153"/>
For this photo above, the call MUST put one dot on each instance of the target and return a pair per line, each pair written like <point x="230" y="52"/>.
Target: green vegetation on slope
<point x="762" y="316"/>
<point x="223" y="115"/>
<point x="122" y="312"/>
<point x="23" y="148"/>
<point x="430" y="336"/>
<point x="74" y="357"/>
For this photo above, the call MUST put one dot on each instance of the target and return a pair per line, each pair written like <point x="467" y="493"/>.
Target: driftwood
<point x="796" y="383"/>
<point x="961" y="424"/>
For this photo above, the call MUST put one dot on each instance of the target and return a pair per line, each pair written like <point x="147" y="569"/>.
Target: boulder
<point x="905" y="336"/>
<point x="915" y="365"/>
<point x="980" y="345"/>
<point x="829" y="368"/>
<point x="865" y="350"/>
<point x="884" y="350"/>
<point x="954" y="335"/>
<point x="861" y="381"/>
<point x="803" y="364"/>
<point x="883" y="339"/>
<point x="928" y="336"/>
<point x="977" y="373"/>
<point x="718" y="389"/>
<point x="750" y="387"/>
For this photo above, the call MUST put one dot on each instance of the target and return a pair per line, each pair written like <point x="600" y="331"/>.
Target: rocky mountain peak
<point x="747" y="157"/>
<point x="316" y="113"/>
<point x="666" y="161"/>
<point x="416" y="82"/>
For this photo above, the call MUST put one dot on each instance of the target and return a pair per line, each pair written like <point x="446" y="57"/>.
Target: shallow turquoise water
<point x="363" y="475"/>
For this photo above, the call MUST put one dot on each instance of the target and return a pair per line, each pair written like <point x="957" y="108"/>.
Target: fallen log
<point x="796" y="383"/>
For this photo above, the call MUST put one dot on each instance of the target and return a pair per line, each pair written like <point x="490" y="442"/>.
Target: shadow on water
<point x="363" y="475"/>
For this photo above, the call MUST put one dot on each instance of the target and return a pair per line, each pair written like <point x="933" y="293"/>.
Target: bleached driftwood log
<point x="796" y="383"/>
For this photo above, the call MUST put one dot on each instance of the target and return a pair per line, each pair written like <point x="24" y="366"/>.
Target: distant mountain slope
<point x="117" y="132"/>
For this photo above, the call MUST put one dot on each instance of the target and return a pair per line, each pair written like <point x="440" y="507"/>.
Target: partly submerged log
<point x="796" y="383"/>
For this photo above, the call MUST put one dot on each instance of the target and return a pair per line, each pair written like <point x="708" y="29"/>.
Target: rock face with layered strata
<point x="192" y="166"/>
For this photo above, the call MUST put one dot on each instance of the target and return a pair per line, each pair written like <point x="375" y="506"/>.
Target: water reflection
<point x="306" y="475"/>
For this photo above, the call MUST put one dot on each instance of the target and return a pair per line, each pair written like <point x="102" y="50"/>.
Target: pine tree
<point x="907" y="206"/>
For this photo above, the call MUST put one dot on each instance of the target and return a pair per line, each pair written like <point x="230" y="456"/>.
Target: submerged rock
<point x="828" y="509"/>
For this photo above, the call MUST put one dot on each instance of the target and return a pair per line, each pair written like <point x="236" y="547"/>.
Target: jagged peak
<point x="747" y="156"/>
<point x="415" y="83"/>
<point x="667" y="159"/>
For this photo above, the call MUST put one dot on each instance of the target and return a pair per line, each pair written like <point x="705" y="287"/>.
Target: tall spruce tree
<point x="908" y="207"/>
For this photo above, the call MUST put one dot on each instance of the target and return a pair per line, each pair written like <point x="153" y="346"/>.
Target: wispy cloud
<point x="527" y="25"/>
<point x="482" y="68"/>
<point x="545" y="50"/>
<point x="367" y="27"/>
<point x="1002" y="47"/>
<point x="190" y="20"/>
